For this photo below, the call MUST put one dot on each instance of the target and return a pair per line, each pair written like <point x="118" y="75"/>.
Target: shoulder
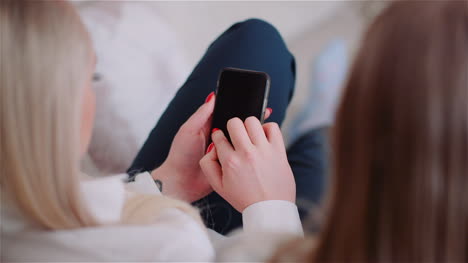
<point x="171" y="232"/>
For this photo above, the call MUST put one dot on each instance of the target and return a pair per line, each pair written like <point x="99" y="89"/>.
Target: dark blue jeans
<point x="254" y="45"/>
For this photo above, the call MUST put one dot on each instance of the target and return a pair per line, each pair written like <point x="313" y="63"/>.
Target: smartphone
<point x="240" y="93"/>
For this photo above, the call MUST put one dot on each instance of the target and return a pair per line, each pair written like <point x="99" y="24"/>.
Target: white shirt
<point x="174" y="235"/>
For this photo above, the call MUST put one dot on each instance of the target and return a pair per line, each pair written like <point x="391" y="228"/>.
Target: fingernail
<point x="271" y="110"/>
<point x="214" y="130"/>
<point x="210" y="147"/>
<point x="209" y="97"/>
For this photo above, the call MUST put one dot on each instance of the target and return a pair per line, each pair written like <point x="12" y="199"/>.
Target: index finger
<point x="239" y="137"/>
<point x="223" y="147"/>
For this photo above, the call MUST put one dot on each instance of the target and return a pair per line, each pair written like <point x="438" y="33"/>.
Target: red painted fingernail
<point x="210" y="147"/>
<point x="209" y="97"/>
<point x="214" y="130"/>
<point x="271" y="110"/>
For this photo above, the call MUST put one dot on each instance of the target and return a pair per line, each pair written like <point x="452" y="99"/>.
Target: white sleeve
<point x="267" y="225"/>
<point x="272" y="216"/>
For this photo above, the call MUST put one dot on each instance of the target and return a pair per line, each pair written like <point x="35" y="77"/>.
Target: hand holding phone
<point x="247" y="161"/>
<point x="254" y="168"/>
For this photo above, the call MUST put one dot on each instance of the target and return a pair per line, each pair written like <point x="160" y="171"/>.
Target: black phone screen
<point x="240" y="94"/>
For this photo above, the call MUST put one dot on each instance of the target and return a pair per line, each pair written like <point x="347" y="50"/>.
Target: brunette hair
<point x="399" y="190"/>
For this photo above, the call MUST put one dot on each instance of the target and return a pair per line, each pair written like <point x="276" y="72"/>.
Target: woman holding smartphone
<point x="52" y="212"/>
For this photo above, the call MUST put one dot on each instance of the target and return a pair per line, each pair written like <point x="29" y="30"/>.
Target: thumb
<point x="212" y="170"/>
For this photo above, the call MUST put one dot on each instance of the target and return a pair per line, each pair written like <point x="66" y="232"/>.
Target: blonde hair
<point x="45" y="53"/>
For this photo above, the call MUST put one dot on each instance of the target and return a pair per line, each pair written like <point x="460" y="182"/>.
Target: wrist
<point x="169" y="179"/>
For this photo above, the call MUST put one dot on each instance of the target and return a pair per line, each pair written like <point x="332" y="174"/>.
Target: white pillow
<point x="141" y="65"/>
